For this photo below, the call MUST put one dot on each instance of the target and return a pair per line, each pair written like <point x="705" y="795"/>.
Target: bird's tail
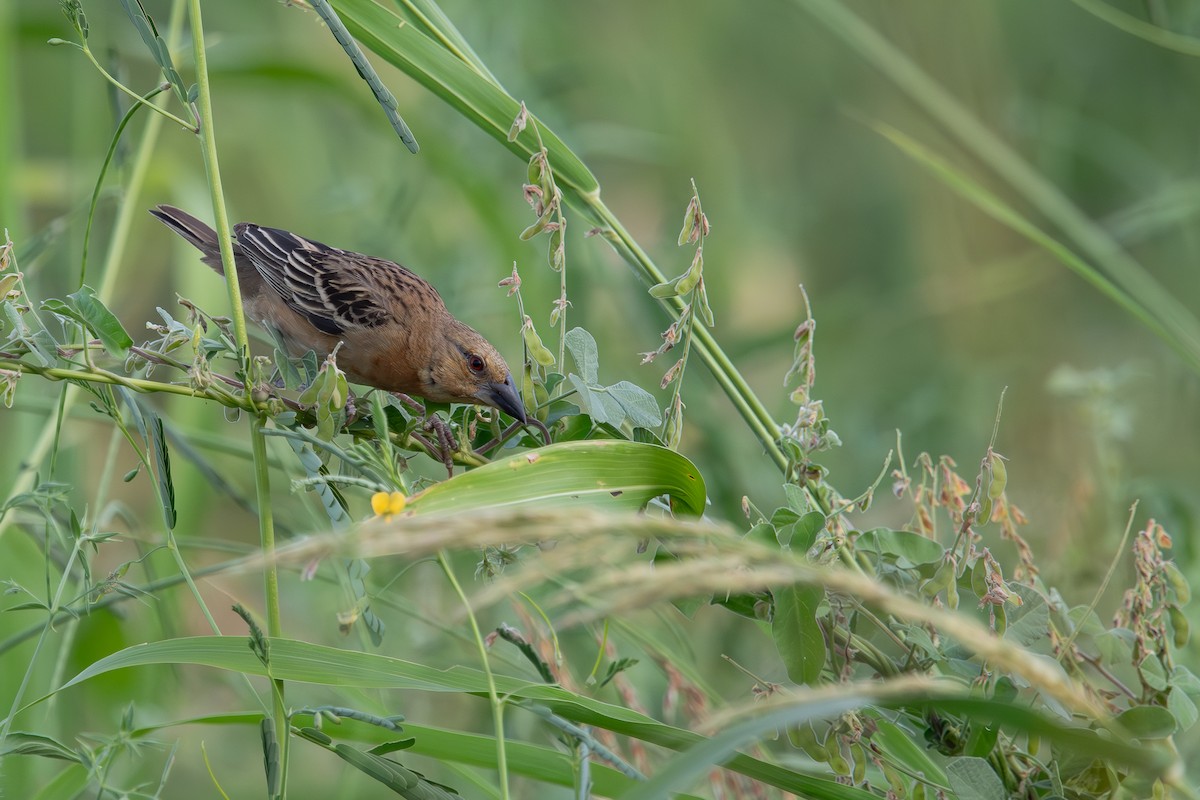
<point x="195" y="232"/>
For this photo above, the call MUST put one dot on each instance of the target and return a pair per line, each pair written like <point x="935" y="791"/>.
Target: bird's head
<point x="465" y="368"/>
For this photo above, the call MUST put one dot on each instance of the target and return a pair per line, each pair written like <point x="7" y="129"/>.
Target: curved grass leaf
<point x="690" y="766"/>
<point x="899" y="745"/>
<point x="1170" y="40"/>
<point x="610" y="475"/>
<point x="309" y="663"/>
<point x="977" y="139"/>
<point x="998" y="210"/>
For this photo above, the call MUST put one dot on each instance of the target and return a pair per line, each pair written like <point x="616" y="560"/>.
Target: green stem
<point x="137" y="97"/>
<point x="108" y="157"/>
<point x="136" y="384"/>
<point x="208" y="143"/>
<point x="493" y="696"/>
<point x="262" y="484"/>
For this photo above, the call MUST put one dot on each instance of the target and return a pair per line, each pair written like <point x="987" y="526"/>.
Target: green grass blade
<point x="434" y="23"/>
<point x="998" y="210"/>
<point x="386" y="100"/>
<point x="978" y="140"/>
<point x="1148" y="31"/>
<point x="694" y="763"/>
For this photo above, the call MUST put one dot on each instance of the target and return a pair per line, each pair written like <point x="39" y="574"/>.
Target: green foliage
<point x="924" y="652"/>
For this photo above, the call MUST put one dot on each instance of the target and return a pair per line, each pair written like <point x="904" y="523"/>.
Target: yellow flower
<point x="387" y="505"/>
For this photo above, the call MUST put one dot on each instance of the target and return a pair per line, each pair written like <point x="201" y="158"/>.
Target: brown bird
<point x="396" y="332"/>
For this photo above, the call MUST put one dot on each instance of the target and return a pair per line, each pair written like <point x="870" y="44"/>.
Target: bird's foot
<point x="447" y="445"/>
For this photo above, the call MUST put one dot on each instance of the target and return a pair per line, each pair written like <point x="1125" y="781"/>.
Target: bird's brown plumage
<point x="396" y="332"/>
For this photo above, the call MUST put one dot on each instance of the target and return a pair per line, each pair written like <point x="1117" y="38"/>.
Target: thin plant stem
<point x="493" y="696"/>
<point x="262" y="482"/>
<point x="141" y="385"/>
<point x="139" y="99"/>
<point x="108" y="157"/>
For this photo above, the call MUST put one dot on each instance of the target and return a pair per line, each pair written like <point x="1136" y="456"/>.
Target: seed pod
<point x="859" y="754"/>
<point x="692" y="276"/>
<point x="541" y="398"/>
<point x="1180" y="624"/>
<point x="527" y="390"/>
<point x="537" y="227"/>
<point x="674" y="431"/>
<point x="7" y="282"/>
<point x="706" y="315"/>
<point x="999" y="476"/>
<point x="558" y="253"/>
<point x="952" y="594"/>
<point x="537" y="350"/>
<point x="1180" y="585"/>
<point x="689" y="222"/>
<point x="537" y="164"/>
<point x="836" y="761"/>
<point x="985" y="510"/>
<point x="665" y="290"/>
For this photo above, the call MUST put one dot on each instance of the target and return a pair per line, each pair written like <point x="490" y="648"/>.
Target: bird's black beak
<point x="505" y="397"/>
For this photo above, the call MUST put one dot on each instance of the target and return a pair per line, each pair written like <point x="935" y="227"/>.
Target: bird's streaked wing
<point x="336" y="290"/>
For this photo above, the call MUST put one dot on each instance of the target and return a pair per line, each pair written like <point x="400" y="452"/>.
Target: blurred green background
<point x="926" y="308"/>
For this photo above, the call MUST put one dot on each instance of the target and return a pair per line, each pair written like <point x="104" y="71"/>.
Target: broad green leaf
<point x="600" y="474"/>
<point x="806" y="530"/>
<point x="797" y="634"/>
<point x="1029" y="622"/>
<point x="1183" y="708"/>
<point x="582" y="346"/>
<point x="639" y="405"/>
<point x="101" y="321"/>
<point x="603" y="409"/>
<point x="974" y="779"/>
<point x="908" y="549"/>
<point x="1148" y="722"/>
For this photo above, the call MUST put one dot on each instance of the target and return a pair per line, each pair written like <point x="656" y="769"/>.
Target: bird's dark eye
<point x="476" y="363"/>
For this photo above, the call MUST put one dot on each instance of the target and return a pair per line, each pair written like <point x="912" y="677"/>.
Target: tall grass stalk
<point x="262" y="480"/>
